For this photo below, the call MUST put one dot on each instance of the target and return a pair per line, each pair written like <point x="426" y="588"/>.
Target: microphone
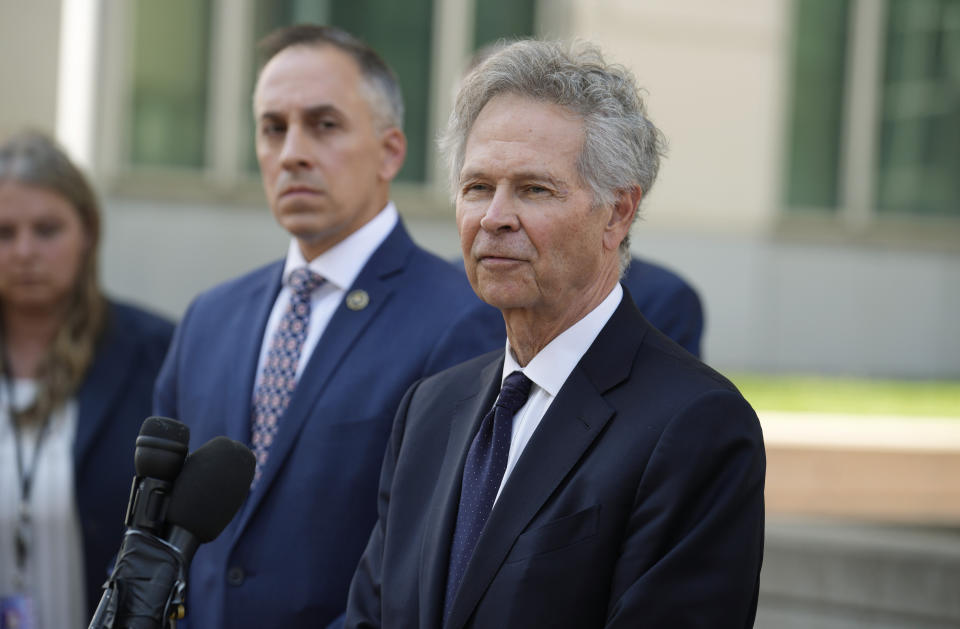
<point x="158" y="457"/>
<point x="146" y="589"/>
<point x="161" y="448"/>
<point x="211" y="489"/>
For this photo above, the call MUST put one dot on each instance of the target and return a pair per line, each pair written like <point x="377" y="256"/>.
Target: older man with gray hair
<point x="592" y="474"/>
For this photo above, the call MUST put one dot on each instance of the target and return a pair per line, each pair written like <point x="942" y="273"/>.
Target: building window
<point x="818" y="75"/>
<point x="185" y="95"/>
<point x="875" y="125"/>
<point x="919" y="165"/>
<point x="498" y="19"/>
<point x="169" y="84"/>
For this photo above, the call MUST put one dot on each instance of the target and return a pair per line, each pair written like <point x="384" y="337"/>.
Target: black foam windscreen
<point x="161" y="448"/>
<point x="166" y="428"/>
<point x="211" y="487"/>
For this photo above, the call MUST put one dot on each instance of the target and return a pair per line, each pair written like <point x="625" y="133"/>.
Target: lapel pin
<point x="358" y="299"/>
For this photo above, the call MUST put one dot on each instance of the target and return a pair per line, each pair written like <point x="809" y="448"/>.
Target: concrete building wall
<point x="771" y="306"/>
<point x="714" y="75"/>
<point x="29" y="54"/>
<point x="776" y="305"/>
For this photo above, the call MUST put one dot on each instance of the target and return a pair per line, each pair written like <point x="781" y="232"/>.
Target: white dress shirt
<point x="549" y="369"/>
<point x="54" y="570"/>
<point x="339" y="266"/>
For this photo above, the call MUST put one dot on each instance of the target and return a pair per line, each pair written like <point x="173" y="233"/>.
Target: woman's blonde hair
<point x="33" y="159"/>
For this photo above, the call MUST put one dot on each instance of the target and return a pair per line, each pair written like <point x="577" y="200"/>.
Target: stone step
<point x="820" y="574"/>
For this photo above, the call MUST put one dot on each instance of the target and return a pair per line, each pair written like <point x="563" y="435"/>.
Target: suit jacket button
<point x="235" y="576"/>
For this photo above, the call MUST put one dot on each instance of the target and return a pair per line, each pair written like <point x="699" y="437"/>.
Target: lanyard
<point x="26" y="475"/>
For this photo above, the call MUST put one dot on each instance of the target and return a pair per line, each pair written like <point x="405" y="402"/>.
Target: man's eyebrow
<point x="310" y="112"/>
<point x="319" y="110"/>
<point x="523" y="175"/>
<point x="540" y="176"/>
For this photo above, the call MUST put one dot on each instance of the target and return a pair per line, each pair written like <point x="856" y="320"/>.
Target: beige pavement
<point x="878" y="468"/>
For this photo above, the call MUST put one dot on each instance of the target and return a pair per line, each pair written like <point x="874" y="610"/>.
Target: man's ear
<point x="621" y="216"/>
<point x="394" y="150"/>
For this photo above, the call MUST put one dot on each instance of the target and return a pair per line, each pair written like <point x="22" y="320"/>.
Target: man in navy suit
<point x="307" y="358"/>
<point x="594" y="474"/>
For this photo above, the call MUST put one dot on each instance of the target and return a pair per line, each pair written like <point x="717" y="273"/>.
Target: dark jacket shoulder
<point x="139" y="321"/>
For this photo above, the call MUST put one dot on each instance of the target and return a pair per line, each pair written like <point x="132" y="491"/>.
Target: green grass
<point x="851" y="396"/>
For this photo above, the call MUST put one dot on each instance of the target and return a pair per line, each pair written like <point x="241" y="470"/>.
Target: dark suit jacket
<point x="113" y="401"/>
<point x="667" y="301"/>
<point x="287" y="558"/>
<point x="638" y="501"/>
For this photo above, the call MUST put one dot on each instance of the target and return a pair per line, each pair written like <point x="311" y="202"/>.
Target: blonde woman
<point x="76" y="379"/>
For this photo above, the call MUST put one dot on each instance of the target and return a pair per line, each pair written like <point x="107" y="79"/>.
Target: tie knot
<point x="303" y="281"/>
<point x="514" y="391"/>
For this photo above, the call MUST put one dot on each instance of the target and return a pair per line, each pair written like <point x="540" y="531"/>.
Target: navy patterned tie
<point x="482" y="473"/>
<point x="279" y="375"/>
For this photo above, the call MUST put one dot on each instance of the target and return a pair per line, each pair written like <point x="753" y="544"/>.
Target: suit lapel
<point x="575" y="418"/>
<point x="330" y="354"/>
<point x="442" y="512"/>
<point x="263" y="294"/>
<point x="106" y="378"/>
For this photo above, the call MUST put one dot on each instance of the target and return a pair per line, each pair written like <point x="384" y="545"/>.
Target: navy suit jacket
<point x="638" y="501"/>
<point x="113" y="400"/>
<point x="667" y="301"/>
<point x="287" y="558"/>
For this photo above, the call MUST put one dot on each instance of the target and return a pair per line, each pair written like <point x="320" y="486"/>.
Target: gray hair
<point x="621" y="146"/>
<point x="380" y="84"/>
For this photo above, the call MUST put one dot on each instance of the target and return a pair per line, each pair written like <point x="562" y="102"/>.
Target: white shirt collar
<point x="552" y="365"/>
<point x="341" y="264"/>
